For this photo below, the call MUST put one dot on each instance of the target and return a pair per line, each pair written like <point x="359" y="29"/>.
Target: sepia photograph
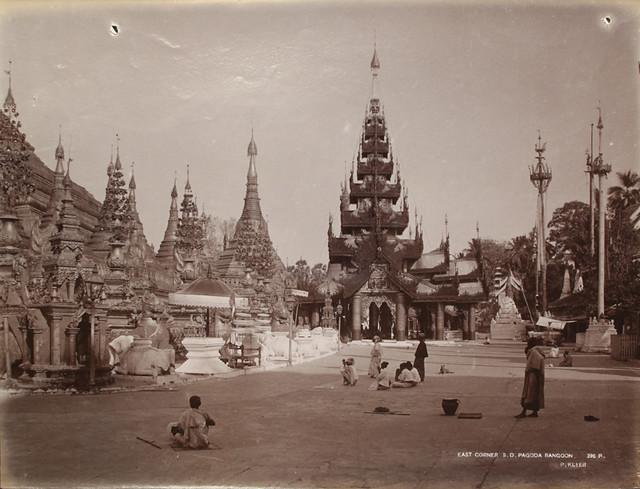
<point x="320" y="244"/>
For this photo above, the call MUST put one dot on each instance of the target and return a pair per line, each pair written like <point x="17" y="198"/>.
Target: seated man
<point x="406" y="378"/>
<point x="192" y="429"/>
<point x="349" y="372"/>
<point x="415" y="373"/>
<point x="567" y="360"/>
<point x="383" y="381"/>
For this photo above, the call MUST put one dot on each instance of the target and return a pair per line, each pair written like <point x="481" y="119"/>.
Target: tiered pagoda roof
<point x="374" y="212"/>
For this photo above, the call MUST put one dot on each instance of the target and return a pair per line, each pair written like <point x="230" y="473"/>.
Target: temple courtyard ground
<point x="299" y="427"/>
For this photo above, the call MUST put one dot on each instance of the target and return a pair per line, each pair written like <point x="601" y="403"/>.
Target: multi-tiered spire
<point x="55" y="199"/>
<point x="189" y="233"/>
<point x="114" y="219"/>
<point x="371" y="186"/>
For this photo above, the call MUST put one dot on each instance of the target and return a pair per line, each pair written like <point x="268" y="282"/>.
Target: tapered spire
<point x="251" y="210"/>
<point x="166" y="249"/>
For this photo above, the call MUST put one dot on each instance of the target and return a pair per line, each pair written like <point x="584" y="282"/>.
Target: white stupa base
<point x="203" y="357"/>
<point x="597" y="338"/>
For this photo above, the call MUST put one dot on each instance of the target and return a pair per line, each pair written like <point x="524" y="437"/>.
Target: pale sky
<point x="465" y="89"/>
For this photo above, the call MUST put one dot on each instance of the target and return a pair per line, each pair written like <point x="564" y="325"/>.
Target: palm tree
<point x="624" y="198"/>
<point x="626" y="194"/>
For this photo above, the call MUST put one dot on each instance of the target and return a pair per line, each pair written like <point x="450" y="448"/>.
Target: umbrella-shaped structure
<point x="207" y="292"/>
<point x="211" y="293"/>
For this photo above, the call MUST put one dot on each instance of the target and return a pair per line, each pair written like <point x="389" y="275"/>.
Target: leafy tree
<point x="215" y="230"/>
<point x="569" y="231"/>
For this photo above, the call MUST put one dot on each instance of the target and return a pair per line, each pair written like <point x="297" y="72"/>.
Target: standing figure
<point x="533" y="389"/>
<point x="376" y="357"/>
<point x="420" y="355"/>
<point x="192" y="429"/>
<point x="349" y="372"/>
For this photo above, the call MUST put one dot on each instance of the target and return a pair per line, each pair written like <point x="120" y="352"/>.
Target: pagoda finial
<point x="67" y="180"/>
<point x="59" y="154"/>
<point x="252" y="152"/>
<point x="9" y="102"/>
<point x="187" y="186"/>
<point x="132" y="181"/>
<point x="59" y="149"/>
<point x="446" y="225"/>
<point x="600" y="127"/>
<point x="174" y="191"/>
<point x="375" y="67"/>
<point x="252" y="149"/>
<point x="118" y="165"/>
<point x="478" y="230"/>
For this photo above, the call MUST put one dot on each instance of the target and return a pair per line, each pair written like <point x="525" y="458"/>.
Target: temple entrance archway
<point x="378" y="317"/>
<point x="374" y="317"/>
<point x="385" y="322"/>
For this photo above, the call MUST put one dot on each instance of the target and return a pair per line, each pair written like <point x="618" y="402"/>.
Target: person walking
<point x="533" y="390"/>
<point x="420" y="355"/>
<point x="376" y="357"/>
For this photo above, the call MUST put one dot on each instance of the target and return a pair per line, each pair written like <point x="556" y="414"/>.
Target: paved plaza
<point x="300" y="427"/>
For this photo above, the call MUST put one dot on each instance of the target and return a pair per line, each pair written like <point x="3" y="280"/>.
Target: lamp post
<point x="601" y="169"/>
<point x="540" y="176"/>
<point x="339" y="310"/>
<point x="94" y="285"/>
<point x="290" y="300"/>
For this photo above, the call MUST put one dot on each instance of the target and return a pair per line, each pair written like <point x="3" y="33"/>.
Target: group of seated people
<point x="406" y="375"/>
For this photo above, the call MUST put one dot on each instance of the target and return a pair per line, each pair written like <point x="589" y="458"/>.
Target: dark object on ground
<point x="176" y="429"/>
<point x="591" y="418"/>
<point x="149" y="443"/>
<point x="470" y="415"/>
<point x="381" y="409"/>
<point x="450" y="406"/>
<point x="520" y="416"/>
<point x="176" y="447"/>
<point x="397" y="413"/>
